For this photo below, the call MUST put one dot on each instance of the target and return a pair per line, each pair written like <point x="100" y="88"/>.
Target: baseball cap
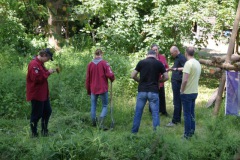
<point x="48" y="51"/>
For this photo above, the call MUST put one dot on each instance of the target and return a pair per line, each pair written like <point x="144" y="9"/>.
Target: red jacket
<point x="98" y="73"/>
<point x="37" y="84"/>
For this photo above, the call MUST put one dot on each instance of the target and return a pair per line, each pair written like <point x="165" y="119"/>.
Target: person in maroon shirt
<point x="162" y="100"/>
<point x="37" y="91"/>
<point x="98" y="73"/>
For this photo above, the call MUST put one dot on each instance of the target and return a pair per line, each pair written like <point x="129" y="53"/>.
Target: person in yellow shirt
<point x="189" y="91"/>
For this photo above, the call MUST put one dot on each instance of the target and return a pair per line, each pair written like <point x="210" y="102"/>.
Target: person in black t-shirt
<point x="176" y="81"/>
<point x="149" y="69"/>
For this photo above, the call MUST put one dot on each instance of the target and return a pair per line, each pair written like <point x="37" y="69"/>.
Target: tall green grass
<point x="73" y="137"/>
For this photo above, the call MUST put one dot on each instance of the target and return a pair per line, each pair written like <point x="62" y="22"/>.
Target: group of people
<point x="153" y="73"/>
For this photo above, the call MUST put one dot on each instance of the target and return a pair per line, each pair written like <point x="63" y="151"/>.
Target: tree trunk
<point x="236" y="44"/>
<point x="54" y="22"/>
<point x="219" y="95"/>
<point x="234" y="35"/>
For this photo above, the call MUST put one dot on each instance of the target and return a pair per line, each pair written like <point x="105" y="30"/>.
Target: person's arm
<point x="184" y="82"/>
<point x="109" y="72"/>
<point x="134" y="76"/>
<point x="164" y="77"/>
<point x="178" y="69"/>
<point x="38" y="74"/>
<point x="182" y="61"/>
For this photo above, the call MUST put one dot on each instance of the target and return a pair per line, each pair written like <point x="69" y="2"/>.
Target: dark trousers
<point x="43" y="110"/>
<point x="177" y="103"/>
<point x="162" y="101"/>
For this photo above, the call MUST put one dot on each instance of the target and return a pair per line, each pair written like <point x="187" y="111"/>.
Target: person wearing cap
<point x="162" y="100"/>
<point x="98" y="73"/>
<point x="37" y="91"/>
<point x="150" y="70"/>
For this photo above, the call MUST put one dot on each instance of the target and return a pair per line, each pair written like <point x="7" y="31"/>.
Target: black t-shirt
<point x="178" y="63"/>
<point x="149" y="69"/>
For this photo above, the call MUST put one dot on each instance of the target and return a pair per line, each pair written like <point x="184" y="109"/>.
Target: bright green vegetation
<point x="71" y="133"/>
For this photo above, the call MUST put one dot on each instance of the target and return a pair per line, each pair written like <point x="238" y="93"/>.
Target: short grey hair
<point x="151" y="52"/>
<point x="190" y="51"/>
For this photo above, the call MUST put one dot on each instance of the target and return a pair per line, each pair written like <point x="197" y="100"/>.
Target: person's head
<point x="98" y="53"/>
<point x="45" y="55"/>
<point x="151" y="53"/>
<point x="189" y="52"/>
<point x="155" y="48"/>
<point x="174" y="51"/>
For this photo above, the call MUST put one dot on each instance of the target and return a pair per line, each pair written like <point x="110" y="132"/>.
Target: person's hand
<point x="171" y="69"/>
<point x="51" y="71"/>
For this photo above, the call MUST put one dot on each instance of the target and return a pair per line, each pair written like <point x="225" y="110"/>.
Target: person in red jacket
<point x="98" y="73"/>
<point x="37" y="91"/>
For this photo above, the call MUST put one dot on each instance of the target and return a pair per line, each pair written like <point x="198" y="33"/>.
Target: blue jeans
<point x="142" y="98"/>
<point x="188" y="101"/>
<point x="177" y="103"/>
<point x="94" y="98"/>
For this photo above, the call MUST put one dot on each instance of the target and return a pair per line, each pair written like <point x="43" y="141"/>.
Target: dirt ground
<point x="213" y="48"/>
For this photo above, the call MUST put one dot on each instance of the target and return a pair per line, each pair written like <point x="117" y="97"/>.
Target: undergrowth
<point x="73" y="137"/>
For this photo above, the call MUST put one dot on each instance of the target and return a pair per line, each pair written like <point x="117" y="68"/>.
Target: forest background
<point x="124" y="30"/>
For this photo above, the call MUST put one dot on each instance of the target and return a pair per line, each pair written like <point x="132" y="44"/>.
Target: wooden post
<point x="219" y="95"/>
<point x="237" y="41"/>
<point x="229" y="53"/>
<point x="234" y="35"/>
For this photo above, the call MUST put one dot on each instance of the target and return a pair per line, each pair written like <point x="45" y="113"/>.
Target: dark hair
<point x="190" y="51"/>
<point x="46" y="52"/>
<point x="42" y="53"/>
<point x="151" y="52"/>
<point x="98" y="52"/>
<point x="154" y="45"/>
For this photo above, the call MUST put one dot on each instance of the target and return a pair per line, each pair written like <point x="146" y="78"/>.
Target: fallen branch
<point x="221" y="59"/>
<point x="237" y="65"/>
<point x="226" y="66"/>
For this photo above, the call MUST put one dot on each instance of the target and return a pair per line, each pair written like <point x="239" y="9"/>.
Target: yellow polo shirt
<point x="193" y="68"/>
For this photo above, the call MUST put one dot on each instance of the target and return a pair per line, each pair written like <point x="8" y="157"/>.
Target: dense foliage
<point x="124" y="26"/>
